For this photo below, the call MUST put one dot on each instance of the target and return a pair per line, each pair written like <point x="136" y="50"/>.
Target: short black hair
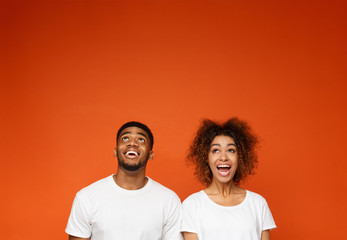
<point x="139" y="125"/>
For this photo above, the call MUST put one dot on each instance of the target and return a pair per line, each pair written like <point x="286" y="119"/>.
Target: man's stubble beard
<point x="131" y="167"/>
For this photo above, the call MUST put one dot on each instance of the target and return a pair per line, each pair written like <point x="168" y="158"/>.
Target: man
<point x="127" y="205"/>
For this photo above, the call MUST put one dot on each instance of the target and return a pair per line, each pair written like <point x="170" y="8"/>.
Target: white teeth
<point x="223" y="166"/>
<point x="131" y="152"/>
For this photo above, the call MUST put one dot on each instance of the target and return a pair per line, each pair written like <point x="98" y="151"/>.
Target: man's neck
<point x="130" y="180"/>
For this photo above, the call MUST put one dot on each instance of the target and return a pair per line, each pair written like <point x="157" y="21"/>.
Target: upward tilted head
<point x="239" y="136"/>
<point x="134" y="146"/>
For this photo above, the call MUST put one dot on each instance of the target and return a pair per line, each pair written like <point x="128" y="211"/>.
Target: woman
<point x="223" y="156"/>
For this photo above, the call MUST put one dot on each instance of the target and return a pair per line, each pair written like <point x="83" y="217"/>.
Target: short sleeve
<point x="79" y="220"/>
<point x="189" y="216"/>
<point x="171" y="229"/>
<point x="268" y="222"/>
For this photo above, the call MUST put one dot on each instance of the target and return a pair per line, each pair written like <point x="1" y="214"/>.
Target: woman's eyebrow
<point x="215" y="144"/>
<point x="231" y="144"/>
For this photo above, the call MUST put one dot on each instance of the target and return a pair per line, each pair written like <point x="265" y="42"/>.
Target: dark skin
<point x="136" y="139"/>
<point x="77" y="238"/>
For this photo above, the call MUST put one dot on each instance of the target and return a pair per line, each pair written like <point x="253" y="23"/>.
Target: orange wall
<point x="73" y="71"/>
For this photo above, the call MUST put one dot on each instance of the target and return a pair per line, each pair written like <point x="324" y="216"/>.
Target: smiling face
<point x="133" y="149"/>
<point x="222" y="158"/>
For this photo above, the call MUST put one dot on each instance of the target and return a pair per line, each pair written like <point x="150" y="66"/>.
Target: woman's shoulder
<point x="193" y="198"/>
<point x="255" y="197"/>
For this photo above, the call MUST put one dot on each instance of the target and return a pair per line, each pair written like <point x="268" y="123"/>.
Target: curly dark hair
<point x="245" y="140"/>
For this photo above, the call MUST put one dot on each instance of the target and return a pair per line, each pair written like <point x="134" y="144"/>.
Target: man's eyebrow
<point x="140" y="133"/>
<point x="124" y="133"/>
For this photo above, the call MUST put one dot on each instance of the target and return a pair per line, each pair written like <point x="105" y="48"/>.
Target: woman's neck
<point x="225" y="194"/>
<point x="222" y="189"/>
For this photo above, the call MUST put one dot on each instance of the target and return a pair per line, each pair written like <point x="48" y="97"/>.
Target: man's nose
<point x="132" y="142"/>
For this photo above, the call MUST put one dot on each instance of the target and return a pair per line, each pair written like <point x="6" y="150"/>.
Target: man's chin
<point x="130" y="168"/>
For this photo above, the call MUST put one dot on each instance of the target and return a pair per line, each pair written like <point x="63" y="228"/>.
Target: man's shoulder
<point x="95" y="187"/>
<point x="161" y="189"/>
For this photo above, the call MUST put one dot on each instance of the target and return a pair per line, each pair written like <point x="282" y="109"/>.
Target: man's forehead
<point x="134" y="130"/>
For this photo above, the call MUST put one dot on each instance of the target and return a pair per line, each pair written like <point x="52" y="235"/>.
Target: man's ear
<point x="115" y="152"/>
<point x="151" y="154"/>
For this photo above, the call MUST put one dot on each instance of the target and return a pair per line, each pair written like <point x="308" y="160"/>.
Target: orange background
<point x="73" y="71"/>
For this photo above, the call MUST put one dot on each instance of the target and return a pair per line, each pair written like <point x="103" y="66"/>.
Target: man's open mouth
<point x="131" y="153"/>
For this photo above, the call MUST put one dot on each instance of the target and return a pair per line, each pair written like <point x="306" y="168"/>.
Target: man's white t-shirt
<point x="211" y="221"/>
<point x="105" y="211"/>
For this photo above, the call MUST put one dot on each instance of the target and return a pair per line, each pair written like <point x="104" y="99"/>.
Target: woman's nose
<point x="223" y="156"/>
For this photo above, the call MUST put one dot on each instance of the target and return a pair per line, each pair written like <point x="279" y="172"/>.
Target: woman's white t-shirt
<point x="211" y="221"/>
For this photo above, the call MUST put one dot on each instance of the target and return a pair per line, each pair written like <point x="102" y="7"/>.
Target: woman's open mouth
<point x="223" y="169"/>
